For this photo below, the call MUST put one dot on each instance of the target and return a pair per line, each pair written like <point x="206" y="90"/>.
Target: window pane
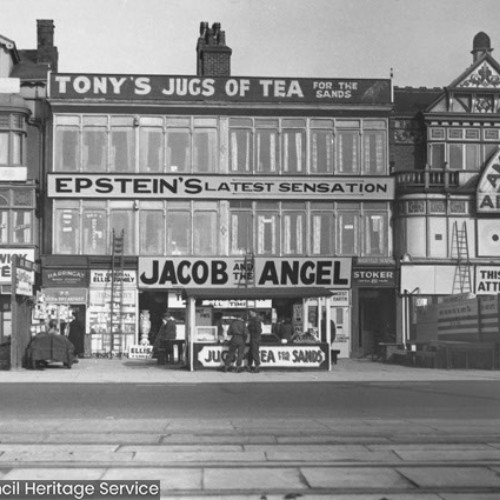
<point x="374" y="152"/>
<point x="123" y="220"/>
<point x="205" y="233"/>
<point x="323" y="232"/>
<point x="4" y="226"/>
<point x="267" y="233"/>
<point x="205" y="150"/>
<point x="241" y="150"/>
<point x="22" y="222"/>
<point x="94" y="231"/>
<point x="437" y="155"/>
<point x="94" y="149"/>
<point x="348" y="160"/>
<point x="4" y="148"/>
<point x="17" y="141"/>
<point x="66" y="231"/>
<point x="455" y="156"/>
<point x="67" y="152"/>
<point x="241" y="232"/>
<point x="267" y="150"/>
<point x="348" y="233"/>
<point x="472" y="161"/>
<point x="375" y="239"/>
<point x="151" y="150"/>
<point x="178" y="233"/>
<point x="293" y="233"/>
<point x="152" y="233"/>
<point x="178" y="150"/>
<point x="321" y="151"/>
<point x="294" y="151"/>
<point x="122" y="149"/>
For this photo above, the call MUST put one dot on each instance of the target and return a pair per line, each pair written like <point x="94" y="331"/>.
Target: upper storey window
<point x="12" y="136"/>
<point x="17" y="208"/>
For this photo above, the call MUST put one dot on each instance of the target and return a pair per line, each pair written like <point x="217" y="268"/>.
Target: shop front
<point x="204" y="295"/>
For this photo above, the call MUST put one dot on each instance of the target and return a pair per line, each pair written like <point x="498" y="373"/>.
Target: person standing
<point x="255" y="330"/>
<point x="76" y="336"/>
<point x="238" y="333"/>
<point x="285" y="330"/>
<point x="167" y="331"/>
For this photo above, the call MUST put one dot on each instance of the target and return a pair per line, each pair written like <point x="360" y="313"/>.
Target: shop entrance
<point x="376" y="319"/>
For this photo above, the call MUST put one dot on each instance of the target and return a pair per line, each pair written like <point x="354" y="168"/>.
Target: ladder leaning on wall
<point x="116" y="313"/>
<point x="462" y="282"/>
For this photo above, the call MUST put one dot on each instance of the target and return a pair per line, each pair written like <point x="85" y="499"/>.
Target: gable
<point x="484" y="76"/>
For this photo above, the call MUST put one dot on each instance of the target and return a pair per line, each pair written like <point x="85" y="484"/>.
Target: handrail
<point x="430" y="178"/>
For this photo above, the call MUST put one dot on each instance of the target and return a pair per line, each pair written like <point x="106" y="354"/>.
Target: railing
<point x="434" y="179"/>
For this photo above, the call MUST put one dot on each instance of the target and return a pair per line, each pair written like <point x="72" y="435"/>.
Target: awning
<point x="256" y="293"/>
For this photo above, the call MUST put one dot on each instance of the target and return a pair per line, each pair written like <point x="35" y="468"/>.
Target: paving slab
<point x="217" y="439"/>
<point x="42" y="473"/>
<point x="329" y="439"/>
<point x="102" y="437"/>
<point x="76" y="456"/>
<point x="170" y="479"/>
<point x="307" y="448"/>
<point x="332" y="456"/>
<point x="358" y="478"/>
<point x="260" y="479"/>
<point x="50" y="449"/>
<point x="452" y="477"/>
<point x="469" y="496"/>
<point x="196" y="457"/>
<point x="471" y="455"/>
<point x="444" y="447"/>
<point x="176" y="448"/>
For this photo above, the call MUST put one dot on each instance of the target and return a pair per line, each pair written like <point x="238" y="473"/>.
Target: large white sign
<point x="296" y="356"/>
<point x="487" y="280"/>
<point x="170" y="186"/>
<point x="488" y="189"/>
<point x="6" y="255"/>
<point x="233" y="272"/>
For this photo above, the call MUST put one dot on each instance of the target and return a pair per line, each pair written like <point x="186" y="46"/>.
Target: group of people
<point x="239" y="331"/>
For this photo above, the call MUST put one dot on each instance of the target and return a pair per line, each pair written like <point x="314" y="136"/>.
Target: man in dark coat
<point x="254" y="328"/>
<point x="167" y="331"/>
<point x="238" y="333"/>
<point x="76" y="336"/>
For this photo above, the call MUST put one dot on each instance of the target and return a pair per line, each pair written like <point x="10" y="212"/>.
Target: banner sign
<point x="6" y="255"/>
<point x="170" y="88"/>
<point x="488" y="188"/>
<point x="234" y="272"/>
<point x="65" y="295"/>
<point x="172" y="186"/>
<point x="140" y="352"/>
<point x="25" y="279"/>
<point x="373" y="276"/>
<point x="104" y="278"/>
<point x="64" y="277"/>
<point x="487" y="280"/>
<point x="289" y="356"/>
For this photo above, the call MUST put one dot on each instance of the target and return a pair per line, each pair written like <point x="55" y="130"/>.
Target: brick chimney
<point x="46" y="52"/>
<point x="213" y="55"/>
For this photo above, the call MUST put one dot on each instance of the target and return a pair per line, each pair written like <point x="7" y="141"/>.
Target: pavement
<point x="92" y="370"/>
<point x="258" y="458"/>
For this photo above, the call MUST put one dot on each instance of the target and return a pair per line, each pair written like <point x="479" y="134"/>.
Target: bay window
<point x="17" y="212"/>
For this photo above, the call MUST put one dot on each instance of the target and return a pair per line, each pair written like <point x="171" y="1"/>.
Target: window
<point x="293" y="228"/>
<point x="16" y="216"/>
<point x="151" y="229"/>
<point x="293" y="146"/>
<point x="374" y="148"/>
<point x="12" y="135"/>
<point x="241" y="230"/>
<point x="436" y="156"/>
<point x="464" y="156"/>
<point x="267" y="228"/>
<point x="67" y="149"/>
<point x="151" y="150"/>
<point x="323" y="233"/>
<point x="322" y="141"/>
<point x="205" y="150"/>
<point x="240" y="145"/>
<point x="67" y="229"/>
<point x="122" y="144"/>
<point x="348" y="151"/>
<point x="178" y="150"/>
<point x="94" y="228"/>
<point x="179" y="228"/>
<point x="267" y="146"/>
<point x="121" y="219"/>
<point x="375" y="234"/>
<point x="348" y="215"/>
<point x="205" y="229"/>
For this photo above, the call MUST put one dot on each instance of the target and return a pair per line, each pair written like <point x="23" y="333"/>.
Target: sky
<point x="424" y="42"/>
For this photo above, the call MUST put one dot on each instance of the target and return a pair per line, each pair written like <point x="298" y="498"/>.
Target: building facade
<point x="23" y="85"/>
<point x="158" y="186"/>
<point x="445" y="150"/>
